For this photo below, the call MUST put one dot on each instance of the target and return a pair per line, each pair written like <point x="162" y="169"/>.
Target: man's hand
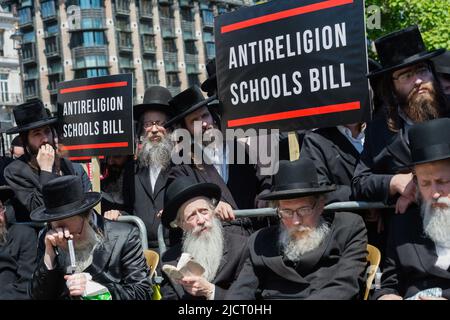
<point x="399" y="182"/>
<point x="390" y="297"/>
<point x="197" y="286"/>
<point x="225" y="211"/>
<point x="46" y="157"/>
<point x="77" y="283"/>
<point x="112" y="215"/>
<point x="55" y="238"/>
<point x="408" y="196"/>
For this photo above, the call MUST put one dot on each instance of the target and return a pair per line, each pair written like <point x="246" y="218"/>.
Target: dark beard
<point x="31" y="154"/>
<point x="423" y="107"/>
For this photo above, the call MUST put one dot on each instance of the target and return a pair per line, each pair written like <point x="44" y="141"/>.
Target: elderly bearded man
<point x="191" y="205"/>
<point x="418" y="255"/>
<point x="312" y="254"/>
<point x="107" y="253"/>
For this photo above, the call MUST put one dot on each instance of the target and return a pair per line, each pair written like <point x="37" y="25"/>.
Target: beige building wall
<point x="42" y="60"/>
<point x="137" y="56"/>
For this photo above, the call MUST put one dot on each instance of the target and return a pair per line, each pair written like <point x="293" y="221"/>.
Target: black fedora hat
<point x="296" y="179"/>
<point x="30" y="115"/>
<point x="155" y="98"/>
<point x="64" y="198"/>
<point x="6" y="193"/>
<point x="442" y="63"/>
<point x="210" y="85"/>
<point x="429" y="141"/>
<point x="182" y="190"/>
<point x="401" y="49"/>
<point x="187" y="102"/>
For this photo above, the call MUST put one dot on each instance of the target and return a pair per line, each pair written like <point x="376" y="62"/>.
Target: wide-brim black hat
<point x="429" y="141"/>
<point x="296" y="179"/>
<point x="64" y="198"/>
<point x="401" y="49"/>
<point x="187" y="102"/>
<point x="442" y="63"/>
<point x="182" y="190"/>
<point x="6" y="193"/>
<point x="155" y="98"/>
<point x="30" y="115"/>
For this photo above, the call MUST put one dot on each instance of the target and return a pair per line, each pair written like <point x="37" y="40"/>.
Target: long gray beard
<point x="3" y="233"/>
<point x="294" y="248"/>
<point x="84" y="250"/>
<point x="436" y="222"/>
<point x="207" y="249"/>
<point x="156" y="154"/>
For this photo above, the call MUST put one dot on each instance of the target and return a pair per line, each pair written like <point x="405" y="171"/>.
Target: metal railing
<point x="141" y="226"/>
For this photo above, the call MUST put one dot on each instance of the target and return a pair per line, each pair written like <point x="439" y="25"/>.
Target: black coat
<point x="385" y="154"/>
<point x="140" y="200"/>
<point x="229" y="268"/>
<point x="27" y="182"/>
<point x="334" y="270"/>
<point x="410" y="259"/>
<point x="335" y="159"/>
<point x="118" y="264"/>
<point x="17" y="262"/>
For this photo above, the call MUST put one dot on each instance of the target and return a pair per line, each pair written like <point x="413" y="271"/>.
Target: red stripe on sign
<point x="83" y="158"/>
<point x="97" y="146"/>
<point x="284" y="14"/>
<point x="94" y="87"/>
<point x="295" y="114"/>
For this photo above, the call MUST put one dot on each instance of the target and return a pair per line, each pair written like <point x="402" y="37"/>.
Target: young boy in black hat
<point x="41" y="162"/>
<point x="107" y="255"/>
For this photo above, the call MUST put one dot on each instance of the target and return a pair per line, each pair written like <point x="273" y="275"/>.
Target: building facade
<point x="162" y="42"/>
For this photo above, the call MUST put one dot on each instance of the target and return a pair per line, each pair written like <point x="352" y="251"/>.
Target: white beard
<point x="207" y="249"/>
<point x="436" y="222"/>
<point x="156" y="154"/>
<point x="294" y="248"/>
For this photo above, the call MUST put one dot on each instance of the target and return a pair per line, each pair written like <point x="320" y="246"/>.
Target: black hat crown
<point x="401" y="49"/>
<point x="430" y="141"/>
<point x="155" y="98"/>
<point x="210" y="84"/>
<point x="30" y="115"/>
<point x="296" y="179"/>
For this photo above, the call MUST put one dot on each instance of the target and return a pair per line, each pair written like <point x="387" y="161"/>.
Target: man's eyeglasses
<point x="149" y="124"/>
<point x="301" y="212"/>
<point x="406" y="77"/>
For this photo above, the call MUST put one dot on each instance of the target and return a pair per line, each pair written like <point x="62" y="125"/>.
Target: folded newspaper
<point x="186" y="266"/>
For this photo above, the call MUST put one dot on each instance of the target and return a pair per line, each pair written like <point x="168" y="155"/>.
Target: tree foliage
<point x="432" y="17"/>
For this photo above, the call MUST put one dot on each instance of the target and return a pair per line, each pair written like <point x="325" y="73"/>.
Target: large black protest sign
<point x="96" y="115"/>
<point x="293" y="64"/>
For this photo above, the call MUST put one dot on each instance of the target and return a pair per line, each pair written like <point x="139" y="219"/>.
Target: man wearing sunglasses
<point x="312" y="254"/>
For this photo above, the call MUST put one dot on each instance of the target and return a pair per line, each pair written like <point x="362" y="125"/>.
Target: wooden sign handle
<point x="294" y="148"/>
<point x="95" y="167"/>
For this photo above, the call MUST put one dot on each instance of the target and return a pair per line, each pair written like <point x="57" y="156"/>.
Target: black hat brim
<point x="6" y="193"/>
<point x="195" y="107"/>
<point x="209" y="84"/>
<point x="407" y="62"/>
<point x="32" y="125"/>
<point x="209" y="190"/>
<point x="296" y="193"/>
<point x="412" y="164"/>
<point x="139" y="109"/>
<point x="41" y="214"/>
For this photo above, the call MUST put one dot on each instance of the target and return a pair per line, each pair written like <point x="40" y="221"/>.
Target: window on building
<point x="124" y="39"/>
<point x="169" y="45"/>
<point x="29" y="36"/>
<point x="193" y="80"/>
<point x="89" y="73"/>
<point x="123" y="5"/>
<point x="54" y="67"/>
<point x="151" y="78"/>
<point x="27" y="3"/>
<point x="48" y="9"/>
<point x="146" y="7"/>
<point x="190" y="47"/>
<point x="51" y="29"/>
<point x="147" y="27"/>
<point x="172" y="80"/>
<point x="31" y="73"/>
<point x="208" y="17"/>
<point x="2" y="42"/>
<point x="91" y="61"/>
<point x="208" y="37"/>
<point x="88" y="38"/>
<point x="210" y="50"/>
<point x="87" y="23"/>
<point x="165" y="12"/>
<point x="186" y="14"/>
<point x="149" y="63"/>
<point x="4" y="93"/>
<point x="148" y="42"/>
<point x="125" y="61"/>
<point x="88" y="4"/>
<point x="123" y="24"/>
<point x="51" y="45"/>
<point x="25" y="15"/>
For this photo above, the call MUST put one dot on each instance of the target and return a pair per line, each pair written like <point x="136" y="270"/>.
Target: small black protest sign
<point x="96" y="116"/>
<point x="293" y="65"/>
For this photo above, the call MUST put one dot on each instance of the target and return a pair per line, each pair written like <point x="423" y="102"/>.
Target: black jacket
<point x="118" y="264"/>
<point x="334" y="270"/>
<point x="17" y="262"/>
<point x="27" y="182"/>
<point x="335" y="159"/>
<point x="410" y="259"/>
<point x="229" y="268"/>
